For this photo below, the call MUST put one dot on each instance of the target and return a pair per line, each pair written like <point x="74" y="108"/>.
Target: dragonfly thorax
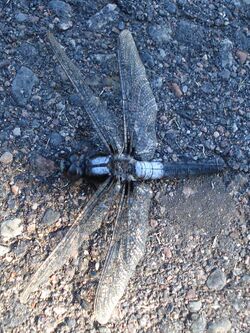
<point x="119" y="166"/>
<point x="123" y="167"/>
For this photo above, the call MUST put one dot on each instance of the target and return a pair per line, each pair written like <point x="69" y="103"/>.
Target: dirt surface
<point x="195" y="273"/>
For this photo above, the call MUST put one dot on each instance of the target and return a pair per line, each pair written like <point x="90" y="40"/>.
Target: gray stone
<point x="22" y="85"/>
<point x="11" y="228"/>
<point x="6" y="158"/>
<point x="106" y="15"/>
<point x="216" y="280"/>
<point x="194" y="306"/>
<point x="226" y="56"/>
<point x="199" y="325"/>
<point x="147" y="58"/>
<point x="50" y="217"/>
<point x="220" y="326"/>
<point x="159" y="34"/>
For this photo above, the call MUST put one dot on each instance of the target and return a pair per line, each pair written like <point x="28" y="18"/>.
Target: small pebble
<point x="31" y="228"/>
<point x="50" y="217"/>
<point x="15" y="189"/>
<point x="194" y="306"/>
<point x="184" y="89"/>
<point x="34" y="206"/>
<point x="56" y="139"/>
<point x="60" y="8"/>
<point x="97" y="266"/>
<point x="121" y="25"/>
<point x="191" y="294"/>
<point x="170" y="6"/>
<point x="176" y="89"/>
<point x="216" y="134"/>
<point x="6" y="158"/>
<point x="17" y="131"/>
<point x="21" y="17"/>
<point x="226" y="57"/>
<point x="167" y="253"/>
<point x="216" y="280"/>
<point x="242" y="56"/>
<point x="153" y="223"/>
<point x="65" y="25"/>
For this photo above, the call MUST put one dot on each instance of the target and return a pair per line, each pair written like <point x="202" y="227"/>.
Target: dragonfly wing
<point x="88" y="221"/>
<point x="126" y="249"/>
<point x="105" y="123"/>
<point x="139" y="105"/>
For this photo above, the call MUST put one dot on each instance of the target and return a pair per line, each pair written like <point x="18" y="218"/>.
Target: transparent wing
<point x="126" y="249"/>
<point x="88" y="221"/>
<point x="105" y="123"/>
<point x="139" y="106"/>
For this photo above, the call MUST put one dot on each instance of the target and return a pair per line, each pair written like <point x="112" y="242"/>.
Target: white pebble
<point x="216" y="134"/>
<point x="17" y="131"/>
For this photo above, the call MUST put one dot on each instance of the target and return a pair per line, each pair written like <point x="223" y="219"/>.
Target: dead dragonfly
<point x="128" y="165"/>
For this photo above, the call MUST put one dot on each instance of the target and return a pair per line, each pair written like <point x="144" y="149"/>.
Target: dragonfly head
<point x="74" y="168"/>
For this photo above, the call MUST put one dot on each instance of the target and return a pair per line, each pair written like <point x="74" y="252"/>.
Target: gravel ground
<point x="194" y="276"/>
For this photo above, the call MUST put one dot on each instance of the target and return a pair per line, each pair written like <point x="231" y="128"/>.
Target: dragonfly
<point x="128" y="167"/>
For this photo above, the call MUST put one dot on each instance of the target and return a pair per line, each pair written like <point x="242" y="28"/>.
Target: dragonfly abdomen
<point x="149" y="170"/>
<point x="157" y="170"/>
